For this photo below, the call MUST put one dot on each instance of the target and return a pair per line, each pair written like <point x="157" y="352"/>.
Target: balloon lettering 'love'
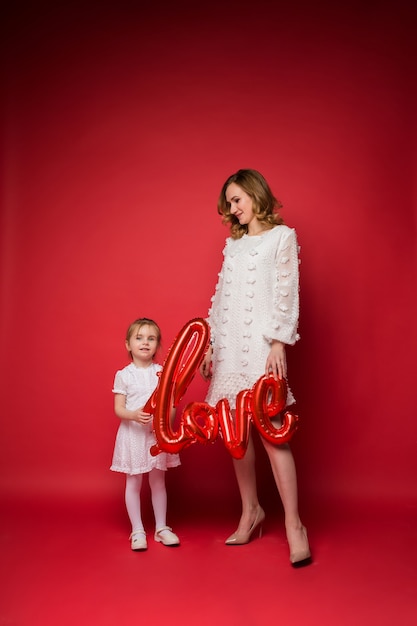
<point x="202" y="422"/>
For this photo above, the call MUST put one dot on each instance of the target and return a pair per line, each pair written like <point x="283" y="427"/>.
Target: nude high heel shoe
<point x="301" y="557"/>
<point x="239" y="539"/>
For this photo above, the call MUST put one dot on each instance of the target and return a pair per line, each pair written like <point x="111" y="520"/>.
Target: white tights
<point x="158" y="496"/>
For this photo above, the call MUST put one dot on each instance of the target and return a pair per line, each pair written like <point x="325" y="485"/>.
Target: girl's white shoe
<point x="166" y="536"/>
<point x="138" y="540"/>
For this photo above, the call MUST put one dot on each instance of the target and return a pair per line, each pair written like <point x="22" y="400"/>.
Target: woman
<point x="254" y="314"/>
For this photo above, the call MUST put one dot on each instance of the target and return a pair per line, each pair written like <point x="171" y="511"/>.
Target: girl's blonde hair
<point x="137" y="325"/>
<point x="265" y="205"/>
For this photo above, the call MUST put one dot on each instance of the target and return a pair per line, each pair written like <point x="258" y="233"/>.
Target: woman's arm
<point x="286" y="306"/>
<point x="276" y="363"/>
<point x="212" y="320"/>
<point x="205" y="367"/>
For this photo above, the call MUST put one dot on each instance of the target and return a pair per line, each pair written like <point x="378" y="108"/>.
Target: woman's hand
<point x="276" y="363"/>
<point x="205" y="367"/>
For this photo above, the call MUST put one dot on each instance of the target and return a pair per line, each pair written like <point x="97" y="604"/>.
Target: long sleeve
<point x="285" y="313"/>
<point x="213" y="318"/>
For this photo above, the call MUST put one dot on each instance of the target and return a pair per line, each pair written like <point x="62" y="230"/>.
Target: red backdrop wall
<point x="119" y="127"/>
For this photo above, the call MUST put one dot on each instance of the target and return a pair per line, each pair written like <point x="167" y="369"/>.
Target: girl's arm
<point x="123" y="413"/>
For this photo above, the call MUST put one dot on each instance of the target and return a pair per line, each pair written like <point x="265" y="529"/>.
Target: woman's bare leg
<point x="285" y="475"/>
<point x="246" y="479"/>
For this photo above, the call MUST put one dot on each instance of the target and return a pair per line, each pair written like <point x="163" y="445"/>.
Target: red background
<point x="120" y="124"/>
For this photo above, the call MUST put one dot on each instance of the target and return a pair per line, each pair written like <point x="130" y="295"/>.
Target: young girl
<point x="133" y="385"/>
<point x="254" y="314"/>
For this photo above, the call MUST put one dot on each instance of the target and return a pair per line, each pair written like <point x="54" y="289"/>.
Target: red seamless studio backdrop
<point x="119" y="125"/>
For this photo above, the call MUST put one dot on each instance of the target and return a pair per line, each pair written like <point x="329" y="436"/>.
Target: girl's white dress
<point x="133" y="441"/>
<point x="256" y="300"/>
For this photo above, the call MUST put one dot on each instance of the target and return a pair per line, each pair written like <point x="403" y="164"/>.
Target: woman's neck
<point x="257" y="229"/>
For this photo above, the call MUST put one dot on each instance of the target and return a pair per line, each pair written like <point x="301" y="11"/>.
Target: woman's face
<point x="240" y="203"/>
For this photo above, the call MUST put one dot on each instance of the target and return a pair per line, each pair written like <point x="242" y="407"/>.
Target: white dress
<point x="256" y="300"/>
<point x="133" y="441"/>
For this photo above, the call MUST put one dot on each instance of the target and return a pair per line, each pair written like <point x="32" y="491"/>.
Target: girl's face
<point x="241" y="205"/>
<point x="143" y="344"/>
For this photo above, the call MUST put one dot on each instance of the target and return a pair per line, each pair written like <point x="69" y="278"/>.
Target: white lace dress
<point x="133" y="441"/>
<point x="256" y="300"/>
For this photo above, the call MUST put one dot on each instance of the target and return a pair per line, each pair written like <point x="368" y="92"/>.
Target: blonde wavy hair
<point x="265" y="205"/>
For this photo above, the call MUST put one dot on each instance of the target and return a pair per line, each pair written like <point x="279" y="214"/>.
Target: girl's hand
<point x="205" y="367"/>
<point x="276" y="363"/>
<point x="141" y="417"/>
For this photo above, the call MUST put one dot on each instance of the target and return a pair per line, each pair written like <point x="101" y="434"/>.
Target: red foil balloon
<point x="269" y="397"/>
<point x="183" y="359"/>
<point x="200" y="421"/>
<point x="235" y="431"/>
